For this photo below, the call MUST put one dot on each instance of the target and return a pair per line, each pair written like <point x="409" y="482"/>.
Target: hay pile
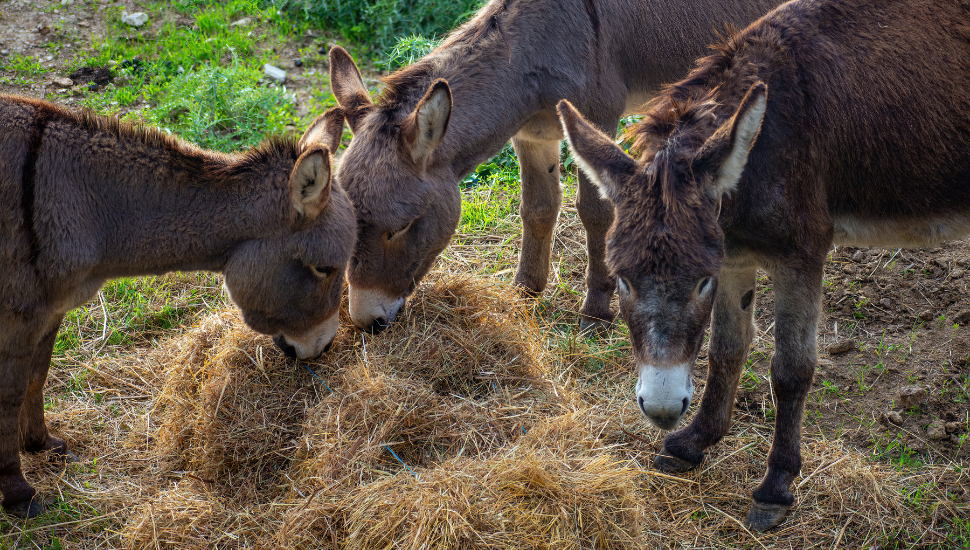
<point x="458" y="390"/>
<point x="456" y="429"/>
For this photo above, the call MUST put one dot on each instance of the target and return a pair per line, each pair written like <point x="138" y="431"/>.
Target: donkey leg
<point x="596" y="213"/>
<point x="18" y="495"/>
<point x="797" y="304"/>
<point x="541" y="198"/>
<point x="732" y="330"/>
<point x="33" y="427"/>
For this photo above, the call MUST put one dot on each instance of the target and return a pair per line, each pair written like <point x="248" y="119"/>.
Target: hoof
<point x="65" y="456"/>
<point x="762" y="517"/>
<point x="26" y="509"/>
<point x="594" y="328"/>
<point x="667" y="462"/>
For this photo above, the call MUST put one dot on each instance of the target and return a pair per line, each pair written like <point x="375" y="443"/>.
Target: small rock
<point x="83" y="24"/>
<point x="926" y="316"/>
<point x="957" y="273"/>
<point x="916" y="445"/>
<point x="242" y="22"/>
<point x="893" y="417"/>
<point x="936" y="431"/>
<point x="93" y="86"/>
<point x="954" y="427"/>
<point x="63" y="82"/>
<point x="858" y="256"/>
<point x="911" y="396"/>
<point x="886" y="303"/>
<point x="842" y="346"/>
<point x="4" y="52"/>
<point x="962" y="317"/>
<point x="274" y="72"/>
<point x="297" y="62"/>
<point x="136" y="19"/>
<point x="67" y="2"/>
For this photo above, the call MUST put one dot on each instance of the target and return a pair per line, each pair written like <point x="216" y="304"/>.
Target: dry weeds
<point x="459" y="427"/>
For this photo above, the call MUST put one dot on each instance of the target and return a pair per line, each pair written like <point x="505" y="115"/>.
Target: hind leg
<point x="33" y="427"/>
<point x="537" y="148"/>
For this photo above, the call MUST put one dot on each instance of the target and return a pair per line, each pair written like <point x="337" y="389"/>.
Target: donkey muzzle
<point x="664" y="393"/>
<point x="311" y="345"/>
<point x="373" y="310"/>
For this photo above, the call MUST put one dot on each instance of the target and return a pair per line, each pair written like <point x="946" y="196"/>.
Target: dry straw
<point x="460" y="427"/>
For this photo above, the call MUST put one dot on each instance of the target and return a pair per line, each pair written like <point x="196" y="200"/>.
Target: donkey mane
<point x="404" y="86"/>
<point x="222" y="167"/>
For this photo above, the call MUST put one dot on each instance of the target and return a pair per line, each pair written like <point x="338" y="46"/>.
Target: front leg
<point x="798" y="295"/>
<point x="541" y="199"/>
<point x="16" y="352"/>
<point x="33" y="426"/>
<point x="732" y="329"/>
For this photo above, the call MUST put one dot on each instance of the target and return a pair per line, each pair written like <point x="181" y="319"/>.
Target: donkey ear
<point x="327" y="130"/>
<point x="423" y="129"/>
<point x="310" y="182"/>
<point x="726" y="152"/>
<point x="606" y="164"/>
<point x="348" y="87"/>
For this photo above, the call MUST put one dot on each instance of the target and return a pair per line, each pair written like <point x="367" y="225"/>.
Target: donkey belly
<point x="900" y="233"/>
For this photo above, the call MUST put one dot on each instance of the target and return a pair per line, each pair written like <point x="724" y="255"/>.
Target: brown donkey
<point x="863" y="109"/>
<point x="499" y="77"/>
<point x="86" y="199"/>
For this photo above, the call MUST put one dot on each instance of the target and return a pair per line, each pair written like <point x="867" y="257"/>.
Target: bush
<point x="222" y="108"/>
<point x="378" y="24"/>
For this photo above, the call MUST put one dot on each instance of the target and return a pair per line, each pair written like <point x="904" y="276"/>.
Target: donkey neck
<point x="498" y="80"/>
<point x="149" y="210"/>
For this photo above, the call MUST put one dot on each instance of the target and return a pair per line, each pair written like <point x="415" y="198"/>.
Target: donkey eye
<point x="322" y="272"/>
<point x="391" y="235"/>
<point x="623" y="284"/>
<point x="702" y="285"/>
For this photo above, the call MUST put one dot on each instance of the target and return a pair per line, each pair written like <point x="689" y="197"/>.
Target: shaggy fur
<point x="865" y="140"/>
<point x="87" y="198"/>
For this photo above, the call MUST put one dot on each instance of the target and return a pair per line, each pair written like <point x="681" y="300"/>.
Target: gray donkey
<point x="84" y="199"/>
<point x="499" y="77"/>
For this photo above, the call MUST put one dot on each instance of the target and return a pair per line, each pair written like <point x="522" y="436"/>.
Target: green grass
<point x="23" y="65"/>
<point x="130" y="310"/>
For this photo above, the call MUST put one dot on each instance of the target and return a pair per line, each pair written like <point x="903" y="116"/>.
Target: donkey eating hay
<point x="826" y="121"/>
<point x="498" y="77"/>
<point x="84" y="199"/>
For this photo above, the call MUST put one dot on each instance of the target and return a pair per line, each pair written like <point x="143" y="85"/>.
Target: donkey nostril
<point x="379" y="325"/>
<point x="284" y="346"/>
<point x="686" y="404"/>
<point x="640" y="402"/>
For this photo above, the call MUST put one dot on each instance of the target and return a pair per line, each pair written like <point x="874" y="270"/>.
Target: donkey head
<point x="407" y="206"/>
<point x="665" y="246"/>
<point x="288" y="282"/>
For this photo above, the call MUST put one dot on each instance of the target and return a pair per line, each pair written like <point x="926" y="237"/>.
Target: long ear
<point x="327" y="130"/>
<point x="423" y="129"/>
<point x="310" y="181"/>
<point x="600" y="158"/>
<point x="348" y="87"/>
<point x="727" y="150"/>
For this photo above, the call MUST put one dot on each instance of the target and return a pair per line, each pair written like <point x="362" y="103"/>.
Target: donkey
<point x="499" y="77"/>
<point x="844" y="121"/>
<point x="86" y="199"/>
